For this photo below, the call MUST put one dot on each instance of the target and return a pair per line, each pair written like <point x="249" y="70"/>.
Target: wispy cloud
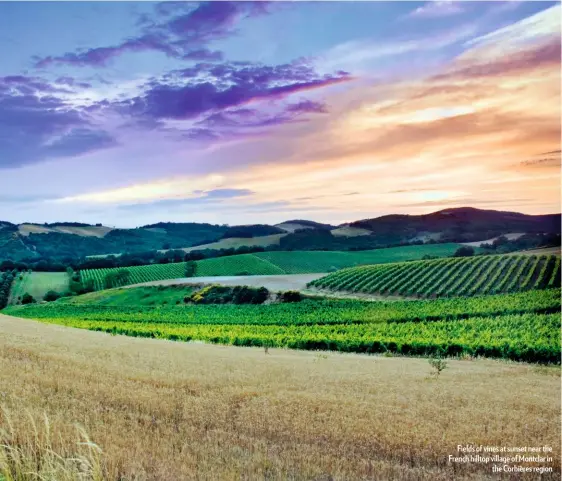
<point x="438" y="9"/>
<point x="183" y="36"/>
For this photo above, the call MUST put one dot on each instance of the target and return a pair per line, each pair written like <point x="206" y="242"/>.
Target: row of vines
<point x="459" y="276"/>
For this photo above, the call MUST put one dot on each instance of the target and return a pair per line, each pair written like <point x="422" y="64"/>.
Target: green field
<point x="276" y="262"/>
<point x="37" y="284"/>
<point x="459" y="276"/>
<point x="240" y="265"/>
<point x="522" y="326"/>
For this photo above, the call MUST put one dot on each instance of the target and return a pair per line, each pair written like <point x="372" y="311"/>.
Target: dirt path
<point x="296" y="282"/>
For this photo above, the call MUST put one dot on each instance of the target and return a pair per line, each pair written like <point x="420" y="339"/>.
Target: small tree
<point x="438" y="364"/>
<point x="464" y="251"/>
<point x="27" y="299"/>
<point x="190" y="268"/>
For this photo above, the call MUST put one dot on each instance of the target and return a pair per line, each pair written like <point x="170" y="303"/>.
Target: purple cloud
<point x="24" y="85"/>
<point x="36" y="125"/>
<point x="309" y="107"/>
<point x="189" y="93"/>
<point x="183" y="36"/>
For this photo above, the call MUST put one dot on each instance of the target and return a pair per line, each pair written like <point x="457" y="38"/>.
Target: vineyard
<point x="521" y="326"/>
<point x="271" y="263"/>
<point x="457" y="276"/>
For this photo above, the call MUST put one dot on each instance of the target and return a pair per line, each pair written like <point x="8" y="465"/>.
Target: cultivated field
<point x="166" y="411"/>
<point x="37" y="284"/>
<point x="235" y="242"/>
<point x="458" y="276"/>
<point x="522" y="327"/>
<point x="347" y="231"/>
<point x="273" y="263"/>
<point x="90" y="231"/>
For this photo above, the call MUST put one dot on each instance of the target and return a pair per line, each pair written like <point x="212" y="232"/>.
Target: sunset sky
<point x="258" y="112"/>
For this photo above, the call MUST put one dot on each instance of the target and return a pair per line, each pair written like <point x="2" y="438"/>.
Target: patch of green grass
<point x="38" y="284"/>
<point x="244" y="264"/>
<point x="136" y="296"/>
<point x="302" y="262"/>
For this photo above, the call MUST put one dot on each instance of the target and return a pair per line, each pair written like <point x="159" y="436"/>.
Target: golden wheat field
<point x="159" y="410"/>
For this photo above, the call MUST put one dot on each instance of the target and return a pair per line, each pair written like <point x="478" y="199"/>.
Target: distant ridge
<point x="462" y="219"/>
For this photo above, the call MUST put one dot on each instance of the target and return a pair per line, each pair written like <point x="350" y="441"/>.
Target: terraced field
<point x="459" y="276"/>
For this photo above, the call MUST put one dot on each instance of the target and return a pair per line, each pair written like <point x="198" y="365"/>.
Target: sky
<point x="131" y="113"/>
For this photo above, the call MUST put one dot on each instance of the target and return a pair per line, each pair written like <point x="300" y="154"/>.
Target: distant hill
<point x="64" y="240"/>
<point x="464" y="224"/>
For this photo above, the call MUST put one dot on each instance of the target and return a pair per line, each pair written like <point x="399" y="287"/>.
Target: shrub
<point x="464" y="251"/>
<point x="438" y="364"/>
<point x="215" y="294"/>
<point x="51" y="296"/>
<point x="290" y="296"/>
<point x="27" y="299"/>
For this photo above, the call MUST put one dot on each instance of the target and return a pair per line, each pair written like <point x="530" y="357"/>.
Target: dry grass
<point x="235" y="242"/>
<point x="161" y="410"/>
<point x="90" y="231"/>
<point x="348" y="231"/>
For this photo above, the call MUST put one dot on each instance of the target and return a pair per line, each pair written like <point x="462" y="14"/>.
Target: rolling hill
<point x="77" y="240"/>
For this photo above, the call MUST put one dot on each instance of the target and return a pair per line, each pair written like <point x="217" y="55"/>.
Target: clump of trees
<point x="290" y="296"/>
<point x="464" y="251"/>
<point x="503" y="245"/>
<point x="5" y="284"/>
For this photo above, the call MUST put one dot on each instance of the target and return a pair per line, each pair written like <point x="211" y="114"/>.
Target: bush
<point x="27" y="299"/>
<point x="290" y="296"/>
<point x="225" y="295"/>
<point x="51" y="296"/>
<point x="464" y="251"/>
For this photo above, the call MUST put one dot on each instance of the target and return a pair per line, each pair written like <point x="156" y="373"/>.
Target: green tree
<point x="190" y="268"/>
<point x="464" y="251"/>
<point x="27" y="299"/>
<point x="51" y="296"/>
